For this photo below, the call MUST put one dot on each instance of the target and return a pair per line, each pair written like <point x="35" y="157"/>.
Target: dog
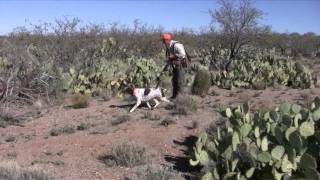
<point x="146" y="95"/>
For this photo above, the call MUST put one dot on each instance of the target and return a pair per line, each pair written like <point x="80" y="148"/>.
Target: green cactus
<point x="257" y="132"/>
<point x="282" y="143"/>
<point x="296" y="108"/>
<point x="307" y="129"/>
<point x="312" y="174"/>
<point x="277" y="152"/>
<point x="285" y="108"/>
<point x="307" y="161"/>
<point x="264" y="144"/>
<point x="316" y="115"/>
<point x="289" y="131"/>
<point x="296" y="141"/>
<point x="207" y="176"/>
<point x="249" y="172"/>
<point x="235" y="140"/>
<point x="245" y="129"/>
<point x="286" y="165"/>
<point x="264" y="157"/>
<point x="274" y="115"/>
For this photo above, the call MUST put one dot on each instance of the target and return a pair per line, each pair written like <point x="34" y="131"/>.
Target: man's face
<point x="166" y="42"/>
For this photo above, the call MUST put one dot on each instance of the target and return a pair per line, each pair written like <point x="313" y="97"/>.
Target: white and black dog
<point x="146" y="95"/>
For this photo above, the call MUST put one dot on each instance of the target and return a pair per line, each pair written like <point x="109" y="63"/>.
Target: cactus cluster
<point x="277" y="144"/>
<point x="255" y="68"/>
<point x="113" y="75"/>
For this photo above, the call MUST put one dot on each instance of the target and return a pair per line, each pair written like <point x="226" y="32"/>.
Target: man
<point x="177" y="58"/>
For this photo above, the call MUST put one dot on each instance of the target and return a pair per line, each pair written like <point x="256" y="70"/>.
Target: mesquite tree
<point x="238" y="25"/>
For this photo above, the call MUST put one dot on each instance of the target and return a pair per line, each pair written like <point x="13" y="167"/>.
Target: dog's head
<point x="130" y="89"/>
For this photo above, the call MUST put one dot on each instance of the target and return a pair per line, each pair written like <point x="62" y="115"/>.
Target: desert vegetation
<point x="249" y="111"/>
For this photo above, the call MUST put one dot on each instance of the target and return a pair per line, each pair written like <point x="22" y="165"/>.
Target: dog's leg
<point x="135" y="106"/>
<point x="157" y="103"/>
<point x="148" y="104"/>
<point x="165" y="99"/>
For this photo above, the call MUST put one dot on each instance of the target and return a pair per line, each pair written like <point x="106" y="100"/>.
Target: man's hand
<point x="172" y="57"/>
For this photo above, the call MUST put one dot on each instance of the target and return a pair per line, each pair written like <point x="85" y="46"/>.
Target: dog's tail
<point x="158" y="82"/>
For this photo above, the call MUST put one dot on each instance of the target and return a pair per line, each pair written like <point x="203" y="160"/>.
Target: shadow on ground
<point x="124" y="106"/>
<point x="181" y="163"/>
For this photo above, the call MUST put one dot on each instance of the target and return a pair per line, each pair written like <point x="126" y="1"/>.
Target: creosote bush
<point x="128" y="154"/>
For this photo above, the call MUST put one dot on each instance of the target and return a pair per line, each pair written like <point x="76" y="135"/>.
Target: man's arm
<point x="179" y="50"/>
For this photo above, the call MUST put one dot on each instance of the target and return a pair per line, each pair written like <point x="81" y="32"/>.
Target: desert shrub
<point x="151" y="116"/>
<point x="201" y="83"/>
<point x="104" y="94"/>
<point x="10" y="138"/>
<point x="120" y="119"/>
<point x="12" y="171"/>
<point x="84" y="126"/>
<point x="7" y="119"/>
<point x="185" y="104"/>
<point x="55" y="132"/>
<point x="156" y="172"/>
<point x="68" y="129"/>
<point x="79" y="101"/>
<point x="168" y="121"/>
<point x="277" y="144"/>
<point x="128" y="154"/>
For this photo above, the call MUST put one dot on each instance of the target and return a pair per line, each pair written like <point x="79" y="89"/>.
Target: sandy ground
<point x="76" y="155"/>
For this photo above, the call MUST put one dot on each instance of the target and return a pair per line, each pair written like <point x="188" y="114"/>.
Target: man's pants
<point x="178" y="80"/>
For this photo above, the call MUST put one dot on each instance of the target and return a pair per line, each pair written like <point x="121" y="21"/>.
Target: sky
<point x="282" y="15"/>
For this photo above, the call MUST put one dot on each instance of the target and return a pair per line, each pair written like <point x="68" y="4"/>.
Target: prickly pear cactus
<point x="283" y="142"/>
<point x="255" y="68"/>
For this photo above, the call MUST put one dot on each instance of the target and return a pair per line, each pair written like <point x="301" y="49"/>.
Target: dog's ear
<point x="130" y="89"/>
<point x="132" y="86"/>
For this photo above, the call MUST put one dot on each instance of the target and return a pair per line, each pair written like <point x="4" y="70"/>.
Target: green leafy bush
<point x="283" y="142"/>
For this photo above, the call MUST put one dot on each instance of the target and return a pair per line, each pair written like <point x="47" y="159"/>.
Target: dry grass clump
<point x="151" y="116"/>
<point x="185" y="105"/>
<point x="128" y="154"/>
<point x="10" y="170"/>
<point x="8" y="119"/>
<point x="156" y="172"/>
<point x="67" y="129"/>
<point x="120" y="119"/>
<point x="79" y="101"/>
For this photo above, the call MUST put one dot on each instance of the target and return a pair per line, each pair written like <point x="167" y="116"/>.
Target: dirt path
<point x="76" y="155"/>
